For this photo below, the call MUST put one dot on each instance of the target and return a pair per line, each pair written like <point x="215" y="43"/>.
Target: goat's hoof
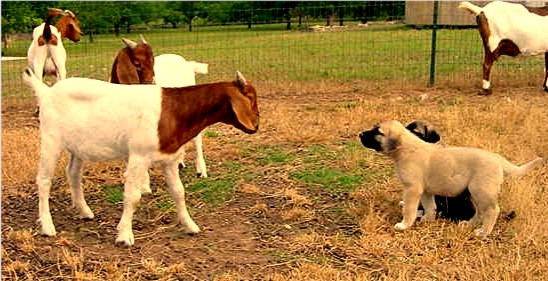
<point x="125" y="239"/>
<point x="48" y="230"/>
<point x="201" y="175"/>
<point x="485" y="92"/>
<point x="87" y="216"/>
<point x="192" y="229"/>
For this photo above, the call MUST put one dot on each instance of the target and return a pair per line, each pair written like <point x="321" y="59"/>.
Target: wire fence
<point x="377" y="53"/>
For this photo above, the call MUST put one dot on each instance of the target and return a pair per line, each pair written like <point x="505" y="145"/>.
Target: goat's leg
<point x="488" y="60"/>
<point x="171" y="173"/>
<point x="200" y="162"/>
<point x="74" y="176"/>
<point x="49" y="153"/>
<point x="136" y="176"/>
<point x="546" y="72"/>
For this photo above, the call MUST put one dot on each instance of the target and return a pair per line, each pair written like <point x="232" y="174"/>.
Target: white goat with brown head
<point x="98" y="121"/>
<point x="46" y="54"/>
<point x="510" y="29"/>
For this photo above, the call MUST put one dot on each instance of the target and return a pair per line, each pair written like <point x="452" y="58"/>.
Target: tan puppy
<point x="427" y="169"/>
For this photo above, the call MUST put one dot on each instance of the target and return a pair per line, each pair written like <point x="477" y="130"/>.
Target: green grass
<point x="114" y="193"/>
<point x="213" y="191"/>
<point x="328" y="179"/>
<point x="276" y="55"/>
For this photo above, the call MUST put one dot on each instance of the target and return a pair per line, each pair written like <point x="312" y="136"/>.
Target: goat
<point x="133" y="64"/>
<point x="510" y="29"/>
<point x="98" y="121"/>
<point x="46" y="54"/>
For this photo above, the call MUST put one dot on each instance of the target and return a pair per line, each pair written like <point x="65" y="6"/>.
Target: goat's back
<point x="513" y="21"/>
<point x="98" y="121"/>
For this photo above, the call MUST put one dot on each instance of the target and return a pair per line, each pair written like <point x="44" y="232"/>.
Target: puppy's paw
<point x="400" y="226"/>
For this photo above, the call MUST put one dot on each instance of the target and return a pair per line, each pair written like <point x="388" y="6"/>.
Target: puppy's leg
<point x="485" y="199"/>
<point x="411" y="198"/>
<point x="429" y="205"/>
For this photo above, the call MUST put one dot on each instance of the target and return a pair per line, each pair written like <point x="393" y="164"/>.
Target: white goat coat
<point x="103" y="121"/>
<point x="513" y="21"/>
<point x="46" y="58"/>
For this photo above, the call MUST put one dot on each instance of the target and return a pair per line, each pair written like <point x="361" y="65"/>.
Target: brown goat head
<point x="134" y="64"/>
<point x="246" y="120"/>
<point x="69" y="27"/>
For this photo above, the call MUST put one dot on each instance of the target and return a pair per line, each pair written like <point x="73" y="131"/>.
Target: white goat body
<point x="170" y="71"/>
<point x="98" y="121"/>
<point x="513" y="21"/>
<point x="510" y="29"/>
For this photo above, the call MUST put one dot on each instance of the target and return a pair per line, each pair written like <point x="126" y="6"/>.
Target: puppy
<point x="427" y="169"/>
<point x="458" y="208"/>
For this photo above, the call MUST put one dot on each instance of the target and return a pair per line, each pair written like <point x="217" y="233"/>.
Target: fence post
<point x="434" y="40"/>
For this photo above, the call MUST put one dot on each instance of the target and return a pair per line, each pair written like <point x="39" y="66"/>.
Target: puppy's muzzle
<point x="369" y="140"/>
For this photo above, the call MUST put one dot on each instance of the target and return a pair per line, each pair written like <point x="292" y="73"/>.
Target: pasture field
<point x="301" y="199"/>
<point x="379" y="55"/>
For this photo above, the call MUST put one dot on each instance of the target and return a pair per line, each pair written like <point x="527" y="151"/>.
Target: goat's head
<point x="69" y="27"/>
<point x="245" y="106"/>
<point x="142" y="59"/>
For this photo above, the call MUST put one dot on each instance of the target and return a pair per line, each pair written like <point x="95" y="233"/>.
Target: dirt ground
<point x="241" y="239"/>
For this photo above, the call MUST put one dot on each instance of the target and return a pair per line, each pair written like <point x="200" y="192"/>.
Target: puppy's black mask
<point x="422" y="130"/>
<point x="368" y="138"/>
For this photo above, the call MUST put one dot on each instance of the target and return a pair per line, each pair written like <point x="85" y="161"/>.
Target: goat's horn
<point x="132" y="45"/>
<point x="56" y="11"/>
<point x="240" y="79"/>
<point x="68" y="12"/>
<point x="143" y="39"/>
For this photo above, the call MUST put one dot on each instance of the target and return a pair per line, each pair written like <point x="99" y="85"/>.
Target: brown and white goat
<point x="510" y="29"/>
<point x="98" y="121"/>
<point x="133" y="64"/>
<point x="46" y="54"/>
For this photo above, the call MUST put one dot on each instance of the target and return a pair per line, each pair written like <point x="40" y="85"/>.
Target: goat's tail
<point x="40" y="89"/>
<point x="514" y="170"/>
<point x="470" y="7"/>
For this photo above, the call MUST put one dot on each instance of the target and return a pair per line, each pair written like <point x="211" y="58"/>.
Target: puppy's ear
<point x="392" y="144"/>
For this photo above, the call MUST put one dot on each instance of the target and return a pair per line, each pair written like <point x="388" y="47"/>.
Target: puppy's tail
<point x="40" y="89"/>
<point x="513" y="170"/>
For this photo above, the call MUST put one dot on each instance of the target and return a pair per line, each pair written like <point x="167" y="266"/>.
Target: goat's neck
<point x="187" y="111"/>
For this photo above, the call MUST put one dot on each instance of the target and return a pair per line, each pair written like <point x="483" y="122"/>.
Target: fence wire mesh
<point x="384" y="47"/>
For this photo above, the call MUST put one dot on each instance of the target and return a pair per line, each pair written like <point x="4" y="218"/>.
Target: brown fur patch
<point x="541" y="11"/>
<point x="69" y="28"/>
<point x="53" y="41"/>
<point x="186" y="111"/>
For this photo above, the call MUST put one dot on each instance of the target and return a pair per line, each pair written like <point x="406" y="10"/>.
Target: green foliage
<point x="265" y="155"/>
<point x="212" y="190"/>
<point x="328" y="179"/>
<point x="114" y="193"/>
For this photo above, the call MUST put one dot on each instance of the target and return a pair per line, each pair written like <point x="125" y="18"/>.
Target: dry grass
<point x="292" y="230"/>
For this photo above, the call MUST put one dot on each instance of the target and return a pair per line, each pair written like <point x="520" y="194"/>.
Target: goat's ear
<point x="241" y="80"/>
<point x="241" y="107"/>
<point x="131" y="44"/>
